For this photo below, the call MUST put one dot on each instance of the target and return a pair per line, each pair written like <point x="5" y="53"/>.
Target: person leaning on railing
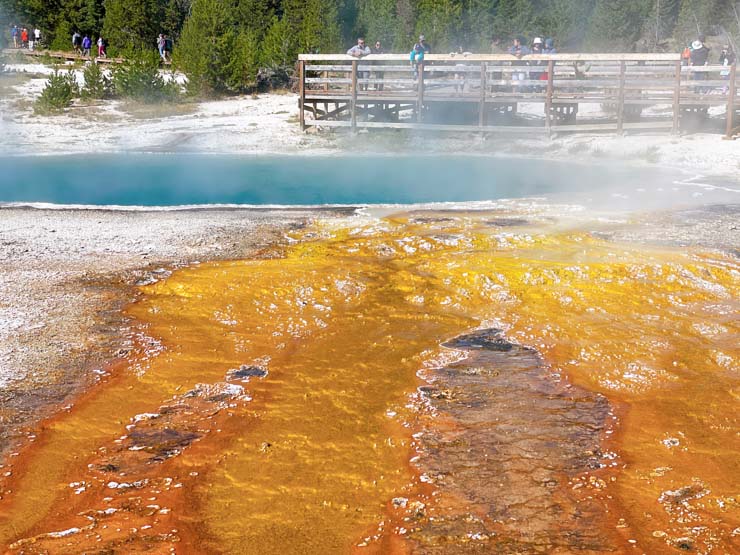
<point x="417" y="54"/>
<point x="699" y="57"/>
<point x="358" y="51"/>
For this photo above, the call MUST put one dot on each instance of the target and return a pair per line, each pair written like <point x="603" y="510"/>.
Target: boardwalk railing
<point x="64" y="55"/>
<point x="552" y="93"/>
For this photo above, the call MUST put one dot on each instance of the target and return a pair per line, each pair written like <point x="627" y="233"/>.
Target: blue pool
<point x="182" y="179"/>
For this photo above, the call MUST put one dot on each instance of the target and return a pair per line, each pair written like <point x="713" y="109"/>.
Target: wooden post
<point x="731" y="102"/>
<point x="548" y="96"/>
<point x="620" y="97"/>
<point x="420" y="95"/>
<point x="677" y="101"/>
<point x="302" y="93"/>
<point x="353" y="102"/>
<point x="482" y="107"/>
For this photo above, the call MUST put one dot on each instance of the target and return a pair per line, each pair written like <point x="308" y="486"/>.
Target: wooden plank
<point x="482" y="101"/>
<point x="731" y="102"/>
<point x="677" y="100"/>
<point x="620" y="98"/>
<point x="615" y="57"/>
<point x="548" y="95"/>
<point x="353" y="105"/>
<point x="302" y="93"/>
<point x="420" y="92"/>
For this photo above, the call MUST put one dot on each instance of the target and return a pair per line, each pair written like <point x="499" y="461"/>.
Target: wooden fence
<point x="550" y="93"/>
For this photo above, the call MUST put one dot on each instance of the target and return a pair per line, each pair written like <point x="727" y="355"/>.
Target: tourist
<point x="497" y="46"/>
<point x="160" y="46"/>
<point x="358" y="51"/>
<point x="518" y="49"/>
<point x="537" y="48"/>
<point x="378" y="75"/>
<point x="24" y="38"/>
<point x="37" y="36"/>
<point x="86" y="46"/>
<point x="14" y="32"/>
<point x="460" y="76"/>
<point x="548" y="49"/>
<point x="168" y="47"/>
<point x="726" y="59"/>
<point x="699" y="57"/>
<point x="76" y="42"/>
<point x="101" y="47"/>
<point x="417" y="54"/>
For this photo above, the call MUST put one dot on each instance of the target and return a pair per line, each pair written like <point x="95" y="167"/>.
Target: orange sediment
<point x="308" y="458"/>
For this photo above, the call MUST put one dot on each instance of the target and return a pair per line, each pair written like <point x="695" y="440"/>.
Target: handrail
<point x="606" y="57"/>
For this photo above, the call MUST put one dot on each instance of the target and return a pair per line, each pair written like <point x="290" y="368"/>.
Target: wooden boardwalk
<point x="497" y="93"/>
<point x="63" y="55"/>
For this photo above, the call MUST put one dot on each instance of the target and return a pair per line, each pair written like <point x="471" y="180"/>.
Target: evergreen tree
<point x="404" y="39"/>
<point x="243" y="66"/>
<point x="132" y="23"/>
<point x="175" y="13"/>
<point x="278" y="50"/>
<point x="206" y="45"/>
<point x="478" y="24"/>
<point x="255" y="15"/>
<point x="615" y="26"/>
<point x="376" y="20"/>
<point x="514" y="18"/>
<point x="91" y="17"/>
<point x="660" y="23"/>
<point x="440" y="21"/>
<point x="564" y="21"/>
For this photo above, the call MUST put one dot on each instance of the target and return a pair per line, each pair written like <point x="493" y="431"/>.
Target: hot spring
<point x="497" y="361"/>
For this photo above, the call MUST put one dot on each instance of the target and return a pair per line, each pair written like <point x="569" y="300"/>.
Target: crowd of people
<point x="82" y="44"/>
<point x="21" y="37"/>
<point x="695" y="54"/>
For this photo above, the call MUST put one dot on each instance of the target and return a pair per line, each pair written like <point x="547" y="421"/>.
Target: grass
<point x="140" y="110"/>
<point x="10" y="80"/>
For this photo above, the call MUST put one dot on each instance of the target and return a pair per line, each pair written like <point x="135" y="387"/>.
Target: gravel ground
<point x="65" y="275"/>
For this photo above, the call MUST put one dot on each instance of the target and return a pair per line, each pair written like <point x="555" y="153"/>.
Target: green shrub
<point x="138" y="78"/>
<point x="60" y="90"/>
<point x="97" y="84"/>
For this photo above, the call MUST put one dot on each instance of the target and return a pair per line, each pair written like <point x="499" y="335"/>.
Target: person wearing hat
<point x="358" y="51"/>
<point x="699" y="52"/>
<point x="537" y="48"/>
<point x="698" y="57"/>
<point x="417" y="54"/>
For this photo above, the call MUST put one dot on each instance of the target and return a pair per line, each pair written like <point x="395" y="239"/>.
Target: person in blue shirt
<point x="86" y="45"/>
<point x="417" y="54"/>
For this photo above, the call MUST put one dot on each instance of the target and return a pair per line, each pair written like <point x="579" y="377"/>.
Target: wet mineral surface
<point x="454" y="382"/>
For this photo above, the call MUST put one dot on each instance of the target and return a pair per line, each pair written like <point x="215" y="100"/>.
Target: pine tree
<point x="174" y="15"/>
<point x="376" y="20"/>
<point x="255" y="15"/>
<point x="440" y="22"/>
<point x="206" y="46"/>
<point x="615" y="26"/>
<point x="132" y="23"/>
<point x="660" y="23"/>
<point x="278" y="50"/>
<point x="91" y="17"/>
<point x="514" y="18"/>
<point x="478" y="23"/>
<point x="404" y="39"/>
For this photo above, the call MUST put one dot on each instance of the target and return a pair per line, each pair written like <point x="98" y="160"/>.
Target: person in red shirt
<point x="24" y="38"/>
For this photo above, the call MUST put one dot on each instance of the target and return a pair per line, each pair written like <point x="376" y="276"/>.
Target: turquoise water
<point x="171" y="180"/>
